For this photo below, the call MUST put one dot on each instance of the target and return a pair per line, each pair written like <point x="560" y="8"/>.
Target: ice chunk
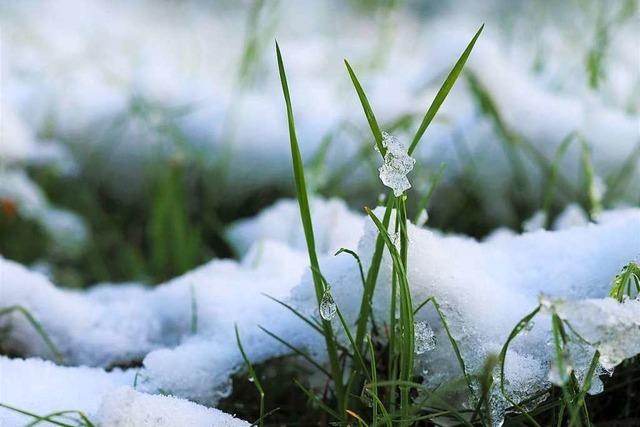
<point x="610" y="326"/>
<point x="425" y="338"/>
<point x="397" y="164"/>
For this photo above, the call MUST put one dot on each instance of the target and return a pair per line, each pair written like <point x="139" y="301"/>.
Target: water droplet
<point x="327" y="306"/>
<point x="529" y="326"/>
<point x="425" y="338"/>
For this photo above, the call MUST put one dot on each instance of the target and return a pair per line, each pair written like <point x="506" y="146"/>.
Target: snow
<point x="106" y="398"/>
<point x="42" y="387"/>
<point x="125" y="407"/>
<point x="483" y="288"/>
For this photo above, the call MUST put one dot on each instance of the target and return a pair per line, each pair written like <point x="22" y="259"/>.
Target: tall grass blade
<point x="368" y="112"/>
<point x="444" y="91"/>
<point x="305" y="215"/>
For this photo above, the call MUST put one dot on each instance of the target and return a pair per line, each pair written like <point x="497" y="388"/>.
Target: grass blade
<point x="38" y="327"/>
<point x="305" y="216"/>
<point x="252" y="375"/>
<point x="368" y="112"/>
<point x="444" y="91"/>
<point x="296" y="350"/>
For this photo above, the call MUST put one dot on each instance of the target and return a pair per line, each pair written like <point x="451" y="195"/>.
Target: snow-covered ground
<point x="183" y="331"/>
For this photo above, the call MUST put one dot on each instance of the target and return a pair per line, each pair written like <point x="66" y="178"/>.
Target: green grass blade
<point x="296" y="350"/>
<point x="37" y="417"/>
<point x="372" y="277"/>
<point x="444" y="91"/>
<point x="317" y="400"/>
<point x="368" y="111"/>
<point x="522" y="324"/>
<point x="38" y="327"/>
<point x="305" y="215"/>
<point x="252" y="375"/>
<point x="307" y="320"/>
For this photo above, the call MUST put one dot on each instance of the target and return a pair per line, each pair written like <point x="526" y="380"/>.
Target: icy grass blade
<point x="444" y="91"/>
<point x="38" y="327"/>
<point x="305" y="215"/>
<point x="368" y="112"/>
<point x="252" y="375"/>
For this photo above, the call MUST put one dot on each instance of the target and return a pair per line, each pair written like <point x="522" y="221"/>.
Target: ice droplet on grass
<point x="397" y="164"/>
<point x="327" y="306"/>
<point x="425" y="338"/>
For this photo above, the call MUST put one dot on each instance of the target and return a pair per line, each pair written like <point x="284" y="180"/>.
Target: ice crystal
<point x="397" y="164"/>
<point x="425" y="338"/>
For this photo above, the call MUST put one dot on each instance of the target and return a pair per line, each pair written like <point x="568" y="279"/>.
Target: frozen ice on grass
<point x="397" y="164"/>
<point x="483" y="288"/>
<point x="106" y="398"/>
<point x="611" y="327"/>
<point x="425" y="338"/>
